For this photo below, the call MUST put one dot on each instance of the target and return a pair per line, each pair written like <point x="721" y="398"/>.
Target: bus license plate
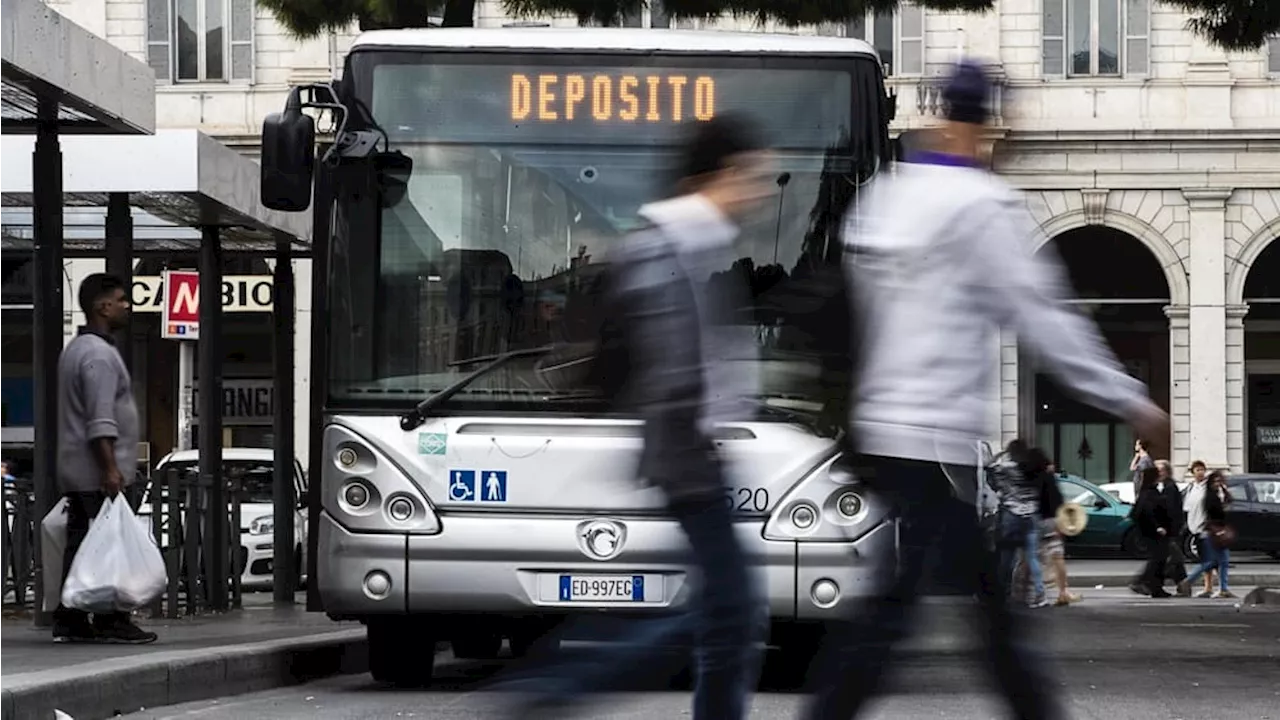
<point x="602" y="588"/>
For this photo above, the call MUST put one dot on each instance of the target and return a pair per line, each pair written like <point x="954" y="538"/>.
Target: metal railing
<point x="929" y="102"/>
<point x="177" y="507"/>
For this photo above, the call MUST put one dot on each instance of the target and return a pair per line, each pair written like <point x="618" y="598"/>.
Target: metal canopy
<point x="180" y="176"/>
<point x="99" y="88"/>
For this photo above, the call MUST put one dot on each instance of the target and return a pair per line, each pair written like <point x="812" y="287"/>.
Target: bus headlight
<point x="400" y="509"/>
<point x="347" y="457"/>
<point x="373" y="494"/>
<point x="828" y="505"/>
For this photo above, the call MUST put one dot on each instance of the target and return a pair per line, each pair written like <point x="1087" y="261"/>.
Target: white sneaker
<point x="1041" y="603"/>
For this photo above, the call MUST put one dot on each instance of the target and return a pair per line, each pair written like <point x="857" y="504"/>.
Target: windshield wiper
<point x="418" y="414"/>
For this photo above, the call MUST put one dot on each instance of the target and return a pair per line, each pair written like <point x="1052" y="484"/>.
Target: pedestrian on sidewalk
<point x="670" y="323"/>
<point x="1176" y="562"/>
<point x="1139" y="464"/>
<point x="1206" y="504"/>
<point x="941" y="257"/>
<point x="97" y="444"/>
<point x="1016" y="478"/>
<point x="1052" y="547"/>
<point x="1152" y="516"/>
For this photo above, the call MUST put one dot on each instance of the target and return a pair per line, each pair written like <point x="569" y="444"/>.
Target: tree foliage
<point x="1231" y="24"/>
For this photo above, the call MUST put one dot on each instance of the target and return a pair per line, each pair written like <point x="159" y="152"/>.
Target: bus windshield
<point x="527" y="169"/>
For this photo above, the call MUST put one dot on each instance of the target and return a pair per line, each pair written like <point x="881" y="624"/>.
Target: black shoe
<point x="1161" y="593"/>
<point x="1139" y="589"/>
<point x="74" y="631"/>
<point x="124" y="633"/>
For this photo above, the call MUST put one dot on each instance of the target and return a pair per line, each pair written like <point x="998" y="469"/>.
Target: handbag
<point x="1222" y="535"/>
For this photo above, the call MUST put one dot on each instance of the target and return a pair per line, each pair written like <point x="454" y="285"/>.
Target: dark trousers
<point x="857" y="651"/>
<point x="1175" y="564"/>
<point x="82" y="507"/>
<point x="1153" y="574"/>
<point x="727" y="621"/>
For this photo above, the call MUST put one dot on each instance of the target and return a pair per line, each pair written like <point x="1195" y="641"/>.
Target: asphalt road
<point x="1117" y="656"/>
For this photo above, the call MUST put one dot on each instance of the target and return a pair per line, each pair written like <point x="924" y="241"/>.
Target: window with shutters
<point x="200" y="40"/>
<point x="1096" y="38"/>
<point x="1273" y="56"/>
<point x="897" y="36"/>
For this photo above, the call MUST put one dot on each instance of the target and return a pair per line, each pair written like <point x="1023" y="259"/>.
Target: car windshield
<point x="525" y="175"/>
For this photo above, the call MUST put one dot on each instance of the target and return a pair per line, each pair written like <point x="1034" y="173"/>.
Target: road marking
<point x="1197" y="625"/>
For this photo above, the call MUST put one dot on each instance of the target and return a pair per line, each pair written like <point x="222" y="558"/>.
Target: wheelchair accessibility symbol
<point x="462" y="485"/>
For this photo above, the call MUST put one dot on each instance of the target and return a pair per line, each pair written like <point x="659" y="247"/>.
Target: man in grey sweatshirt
<point x="97" y="443"/>
<point x="940" y="257"/>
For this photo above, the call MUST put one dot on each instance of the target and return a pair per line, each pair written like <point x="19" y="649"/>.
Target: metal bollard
<point x="172" y="487"/>
<point x="236" y="490"/>
<point x="191" y="545"/>
<point x="23" y="541"/>
<point x="10" y="566"/>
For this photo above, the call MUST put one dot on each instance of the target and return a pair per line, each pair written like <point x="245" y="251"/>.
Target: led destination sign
<point x="629" y="97"/>
<point x="582" y="104"/>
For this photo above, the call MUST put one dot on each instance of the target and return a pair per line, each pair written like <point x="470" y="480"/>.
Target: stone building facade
<point x="1150" y="159"/>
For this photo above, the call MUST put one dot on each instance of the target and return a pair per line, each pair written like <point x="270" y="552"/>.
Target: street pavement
<point x="1117" y="656"/>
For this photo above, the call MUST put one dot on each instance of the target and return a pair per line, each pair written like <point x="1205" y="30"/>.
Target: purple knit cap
<point x="966" y="92"/>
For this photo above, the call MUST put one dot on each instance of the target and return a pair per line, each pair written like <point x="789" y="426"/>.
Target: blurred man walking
<point x="941" y="258"/>
<point x="679" y="379"/>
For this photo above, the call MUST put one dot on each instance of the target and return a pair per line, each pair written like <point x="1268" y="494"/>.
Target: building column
<point x="1236" y="433"/>
<point x="1180" y="379"/>
<point x="1208" y="325"/>
<point x="1013" y="393"/>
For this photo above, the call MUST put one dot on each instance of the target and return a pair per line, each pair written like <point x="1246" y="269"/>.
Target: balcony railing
<point x="928" y="95"/>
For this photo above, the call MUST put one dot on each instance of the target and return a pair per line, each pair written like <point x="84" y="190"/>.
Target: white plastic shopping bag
<point x="53" y="541"/>
<point x="118" y="567"/>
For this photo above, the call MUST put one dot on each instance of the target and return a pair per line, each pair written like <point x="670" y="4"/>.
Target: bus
<point x="465" y="195"/>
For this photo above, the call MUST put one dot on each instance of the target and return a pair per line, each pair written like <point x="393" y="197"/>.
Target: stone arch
<point x="1249" y="253"/>
<point x="1175" y="271"/>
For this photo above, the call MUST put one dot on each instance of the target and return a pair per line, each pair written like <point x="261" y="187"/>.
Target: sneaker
<point x="1161" y="593"/>
<point x="74" y="631"/>
<point x="1204" y="594"/>
<point x="1184" y="589"/>
<point x="1223" y="594"/>
<point x="125" y="633"/>
<point x="1042" y="602"/>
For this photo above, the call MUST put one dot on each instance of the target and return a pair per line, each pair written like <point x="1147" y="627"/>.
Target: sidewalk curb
<point x="1243" y="578"/>
<point x="88" y="692"/>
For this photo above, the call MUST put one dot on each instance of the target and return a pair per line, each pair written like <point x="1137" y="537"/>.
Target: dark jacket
<point x="1173" y="503"/>
<point x="1151" y="512"/>
<point x="674" y="323"/>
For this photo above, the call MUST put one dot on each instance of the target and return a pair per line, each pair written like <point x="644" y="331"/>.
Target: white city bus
<point x="469" y="490"/>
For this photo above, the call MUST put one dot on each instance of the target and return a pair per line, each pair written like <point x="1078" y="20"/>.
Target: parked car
<point x="1254" y="513"/>
<point x="1123" y="491"/>
<point x="1109" y="527"/>
<point x="254" y="468"/>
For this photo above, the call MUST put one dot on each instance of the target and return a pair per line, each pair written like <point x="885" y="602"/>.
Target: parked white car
<point x="1123" y="491"/>
<point x="257" y="521"/>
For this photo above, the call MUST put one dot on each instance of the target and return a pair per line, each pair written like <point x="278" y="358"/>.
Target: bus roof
<point x="611" y="39"/>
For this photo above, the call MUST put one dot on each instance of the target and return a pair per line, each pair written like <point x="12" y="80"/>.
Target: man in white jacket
<point x="942" y="255"/>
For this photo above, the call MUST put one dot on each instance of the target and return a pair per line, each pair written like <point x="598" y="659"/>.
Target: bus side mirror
<point x="288" y="157"/>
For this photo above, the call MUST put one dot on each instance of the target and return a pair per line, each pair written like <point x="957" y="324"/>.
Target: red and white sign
<point x="180" y="317"/>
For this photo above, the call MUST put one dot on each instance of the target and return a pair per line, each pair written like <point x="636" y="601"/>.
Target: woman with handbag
<point x="1205" y="502"/>
<point x="1221" y="535"/>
